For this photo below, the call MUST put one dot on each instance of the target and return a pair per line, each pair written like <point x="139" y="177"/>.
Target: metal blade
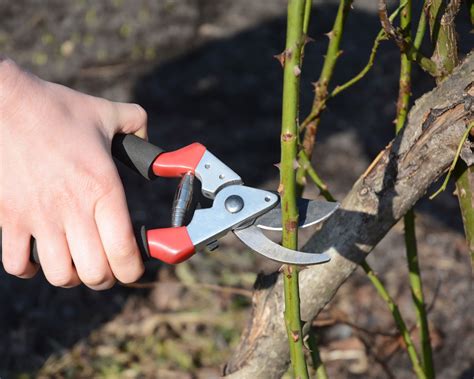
<point x="257" y="241"/>
<point x="311" y="213"/>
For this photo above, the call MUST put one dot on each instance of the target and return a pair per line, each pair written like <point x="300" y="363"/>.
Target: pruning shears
<point x="246" y="211"/>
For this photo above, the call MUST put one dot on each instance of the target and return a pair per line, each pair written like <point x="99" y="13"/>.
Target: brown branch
<point x="388" y="26"/>
<point x="407" y="167"/>
<point x="405" y="44"/>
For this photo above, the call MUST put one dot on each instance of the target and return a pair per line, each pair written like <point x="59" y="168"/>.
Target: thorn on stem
<point x="280" y="58"/>
<point x="281" y="189"/>
<point x="307" y="39"/>
<point x="287" y="137"/>
<point x="296" y="71"/>
<point x="330" y="34"/>
<point x="291" y="225"/>
<point x="295" y="335"/>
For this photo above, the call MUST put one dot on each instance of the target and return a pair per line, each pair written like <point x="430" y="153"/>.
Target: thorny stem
<point x="287" y="189"/>
<point x="313" y="119"/>
<point x="421" y="29"/>
<point x="402" y="328"/>
<point x="311" y="123"/>
<point x="318" y="365"/>
<point x="380" y="37"/>
<point x="404" y="89"/>
<point x="307" y="17"/>
<point x="416" y="287"/>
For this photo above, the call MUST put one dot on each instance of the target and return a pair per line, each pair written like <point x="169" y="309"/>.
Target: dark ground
<point x="204" y="71"/>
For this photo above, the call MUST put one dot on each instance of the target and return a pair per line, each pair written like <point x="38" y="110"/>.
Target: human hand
<point x="59" y="184"/>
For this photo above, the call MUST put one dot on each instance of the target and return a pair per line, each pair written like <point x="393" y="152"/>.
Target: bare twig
<point x="455" y="160"/>
<point x="421" y="29"/>
<point x="193" y="286"/>
<point x="404" y="44"/>
<point x="387" y="26"/>
<point x="311" y="122"/>
<point x="399" y="322"/>
<point x="382" y="362"/>
<point x="379" y="38"/>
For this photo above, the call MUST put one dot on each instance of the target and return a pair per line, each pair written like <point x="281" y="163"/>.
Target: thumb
<point x="131" y="119"/>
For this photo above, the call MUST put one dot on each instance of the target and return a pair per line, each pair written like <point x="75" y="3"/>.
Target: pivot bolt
<point x="234" y="204"/>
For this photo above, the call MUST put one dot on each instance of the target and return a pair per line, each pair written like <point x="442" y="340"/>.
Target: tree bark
<point x="393" y="183"/>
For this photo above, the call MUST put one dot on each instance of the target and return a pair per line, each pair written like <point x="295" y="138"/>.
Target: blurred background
<point x="204" y="70"/>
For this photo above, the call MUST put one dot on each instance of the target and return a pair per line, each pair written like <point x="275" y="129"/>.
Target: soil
<point x="204" y="71"/>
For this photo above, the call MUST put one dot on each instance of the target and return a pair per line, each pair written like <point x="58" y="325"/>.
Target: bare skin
<point x="59" y="184"/>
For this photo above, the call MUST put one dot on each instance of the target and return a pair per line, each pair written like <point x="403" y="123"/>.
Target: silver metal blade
<point x="311" y="212"/>
<point x="257" y="241"/>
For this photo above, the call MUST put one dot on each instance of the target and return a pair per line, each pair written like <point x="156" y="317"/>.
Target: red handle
<point x="173" y="245"/>
<point x="179" y="162"/>
<point x="170" y="245"/>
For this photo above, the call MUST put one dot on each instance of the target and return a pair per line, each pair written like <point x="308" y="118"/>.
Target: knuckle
<point x="59" y="277"/>
<point x="123" y="253"/>
<point x="125" y="262"/>
<point x="101" y="185"/>
<point x="96" y="278"/>
<point x="96" y="184"/>
<point x="15" y="267"/>
<point x="131" y="276"/>
<point x="105" y="285"/>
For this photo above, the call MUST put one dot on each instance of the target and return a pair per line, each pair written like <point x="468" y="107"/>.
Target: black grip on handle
<point x="140" y="236"/>
<point x="136" y="153"/>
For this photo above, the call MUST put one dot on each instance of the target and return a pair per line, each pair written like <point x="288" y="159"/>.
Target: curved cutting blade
<point x="311" y="212"/>
<point x="257" y="241"/>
